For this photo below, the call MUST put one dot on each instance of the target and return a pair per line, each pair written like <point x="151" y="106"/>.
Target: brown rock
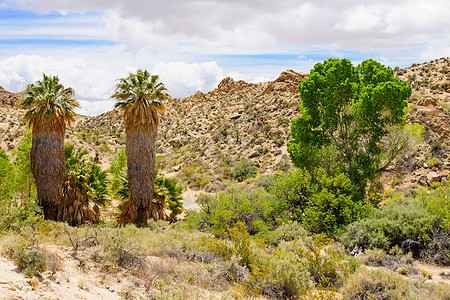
<point x="197" y="97"/>
<point x="429" y="112"/>
<point x="287" y="81"/>
<point x="434" y="177"/>
<point x="228" y="85"/>
<point x="428" y="101"/>
<point x="175" y="143"/>
<point x="235" y="116"/>
<point x="291" y="77"/>
<point x="177" y="168"/>
<point x="253" y="154"/>
<point x="8" y="98"/>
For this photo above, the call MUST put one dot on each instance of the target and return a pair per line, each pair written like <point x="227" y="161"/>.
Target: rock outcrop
<point x="8" y="98"/>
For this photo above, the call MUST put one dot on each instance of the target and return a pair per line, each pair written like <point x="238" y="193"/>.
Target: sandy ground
<point x="68" y="283"/>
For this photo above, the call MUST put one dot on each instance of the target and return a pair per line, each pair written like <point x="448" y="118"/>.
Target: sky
<point x="193" y="45"/>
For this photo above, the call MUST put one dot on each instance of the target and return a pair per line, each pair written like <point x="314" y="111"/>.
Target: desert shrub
<point x="113" y="249"/>
<point x="289" y="231"/>
<point x="253" y="207"/>
<point x="194" y="175"/>
<point x="437" y="250"/>
<point x="390" y="226"/>
<point x="14" y="216"/>
<point x="328" y="266"/>
<point x="290" y="276"/>
<point x="374" y="257"/>
<point x="244" y="169"/>
<point x="437" y="202"/>
<point x="281" y="275"/>
<point x="382" y="284"/>
<point x="283" y="165"/>
<point x="320" y="202"/>
<point x="31" y="262"/>
<point x="397" y="263"/>
<point x="265" y="181"/>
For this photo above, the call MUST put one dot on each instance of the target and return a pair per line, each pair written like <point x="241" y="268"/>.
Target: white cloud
<point x="94" y="82"/>
<point x="258" y="25"/>
<point x="189" y="42"/>
<point x="185" y="79"/>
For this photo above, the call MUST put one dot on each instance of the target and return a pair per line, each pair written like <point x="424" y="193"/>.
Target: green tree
<point x="25" y="186"/>
<point x="117" y="170"/>
<point x="346" y="112"/>
<point x="141" y="96"/>
<point x="322" y="203"/>
<point x="6" y="177"/>
<point x="51" y="109"/>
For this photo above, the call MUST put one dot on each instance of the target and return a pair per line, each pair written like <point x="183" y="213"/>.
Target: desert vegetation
<point x="325" y="222"/>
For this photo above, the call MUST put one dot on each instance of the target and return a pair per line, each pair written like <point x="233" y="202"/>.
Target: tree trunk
<point x="48" y="168"/>
<point x="140" y="151"/>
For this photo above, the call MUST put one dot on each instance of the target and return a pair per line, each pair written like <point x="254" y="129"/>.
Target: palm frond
<point x="51" y="106"/>
<point x="140" y="96"/>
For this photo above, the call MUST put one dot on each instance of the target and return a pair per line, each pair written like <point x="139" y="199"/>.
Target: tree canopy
<point x="346" y="113"/>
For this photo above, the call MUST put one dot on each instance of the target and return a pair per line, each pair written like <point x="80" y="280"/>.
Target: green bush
<point x="390" y="226"/>
<point x="265" y="181"/>
<point x="239" y="203"/>
<point x="320" y="202"/>
<point x="437" y="202"/>
<point x="289" y="231"/>
<point x="13" y="216"/>
<point x="7" y="177"/>
<point x="244" y="169"/>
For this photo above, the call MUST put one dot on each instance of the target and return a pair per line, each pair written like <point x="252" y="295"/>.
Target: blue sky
<point x="192" y="45"/>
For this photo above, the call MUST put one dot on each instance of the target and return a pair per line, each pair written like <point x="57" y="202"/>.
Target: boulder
<point x="175" y="142"/>
<point x="434" y="177"/>
<point x="235" y="116"/>
<point x="429" y="112"/>
<point x="229" y="85"/>
<point x="287" y="81"/>
<point x="428" y="101"/>
<point x="197" y="97"/>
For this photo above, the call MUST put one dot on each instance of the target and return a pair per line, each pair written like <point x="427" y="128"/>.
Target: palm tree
<point x="140" y="97"/>
<point x="85" y="188"/>
<point x="51" y="110"/>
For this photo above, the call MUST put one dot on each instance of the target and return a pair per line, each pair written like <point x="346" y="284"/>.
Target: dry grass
<point x="382" y="284"/>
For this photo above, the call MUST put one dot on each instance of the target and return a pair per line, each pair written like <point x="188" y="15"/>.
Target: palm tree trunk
<point x="48" y="168"/>
<point x="141" y="171"/>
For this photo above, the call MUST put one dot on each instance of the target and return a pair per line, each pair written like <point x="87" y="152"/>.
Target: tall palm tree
<point x="140" y="97"/>
<point x="51" y="110"/>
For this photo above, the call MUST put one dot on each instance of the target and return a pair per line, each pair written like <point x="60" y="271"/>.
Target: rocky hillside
<point x="202" y="136"/>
